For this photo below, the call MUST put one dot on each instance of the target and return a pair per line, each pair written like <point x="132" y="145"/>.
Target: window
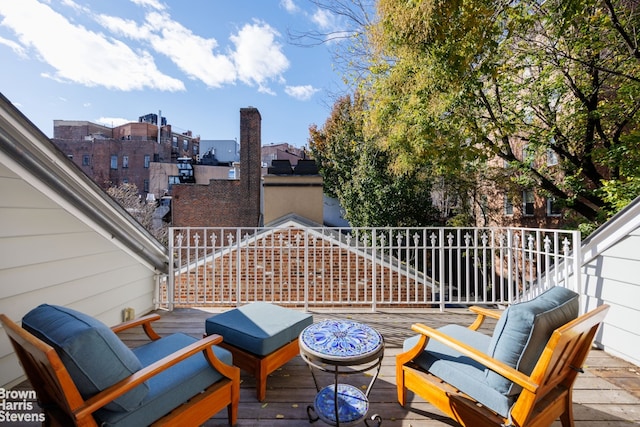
<point x="145" y="186"/>
<point x="185" y="144"/>
<point x="553" y="207"/>
<point x="147" y="161"/>
<point x="125" y="161"/>
<point x="527" y="155"/>
<point x="552" y="157"/>
<point x="173" y="179"/>
<point x="508" y="205"/>
<point x="528" y="115"/>
<point x="527" y="202"/>
<point x="114" y="162"/>
<point x="86" y="160"/>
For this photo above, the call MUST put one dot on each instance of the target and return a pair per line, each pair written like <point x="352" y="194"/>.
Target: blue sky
<point x="197" y="61"/>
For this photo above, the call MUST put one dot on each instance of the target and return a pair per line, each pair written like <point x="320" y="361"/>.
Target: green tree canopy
<point x="358" y="173"/>
<point x="456" y="83"/>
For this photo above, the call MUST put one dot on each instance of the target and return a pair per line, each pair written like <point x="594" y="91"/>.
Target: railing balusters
<point x="374" y="267"/>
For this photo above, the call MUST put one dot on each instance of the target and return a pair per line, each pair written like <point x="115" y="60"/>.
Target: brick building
<point x="226" y="202"/>
<point x="502" y="204"/>
<point x="122" y="154"/>
<point x="282" y="151"/>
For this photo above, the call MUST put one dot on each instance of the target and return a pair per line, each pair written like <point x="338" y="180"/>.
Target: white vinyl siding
<point x="49" y="255"/>
<point x="612" y="278"/>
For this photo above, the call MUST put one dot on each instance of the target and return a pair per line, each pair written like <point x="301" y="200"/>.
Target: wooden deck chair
<point x="521" y="376"/>
<point x="84" y="375"/>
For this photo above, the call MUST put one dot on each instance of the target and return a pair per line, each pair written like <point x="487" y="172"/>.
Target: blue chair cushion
<point x="91" y="352"/>
<point x="523" y="331"/>
<point x="170" y="388"/>
<point x="460" y="371"/>
<point x="518" y="340"/>
<point x="259" y="328"/>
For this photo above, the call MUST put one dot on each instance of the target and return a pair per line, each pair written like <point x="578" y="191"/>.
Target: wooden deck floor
<point x="607" y="394"/>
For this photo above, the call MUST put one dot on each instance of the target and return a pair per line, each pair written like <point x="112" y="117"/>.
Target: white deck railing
<point x="366" y="267"/>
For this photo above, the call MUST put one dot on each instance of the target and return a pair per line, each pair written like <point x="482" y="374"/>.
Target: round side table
<point x="341" y="347"/>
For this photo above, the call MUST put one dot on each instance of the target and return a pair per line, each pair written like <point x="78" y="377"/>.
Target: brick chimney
<point x="251" y="161"/>
<point x="226" y="202"/>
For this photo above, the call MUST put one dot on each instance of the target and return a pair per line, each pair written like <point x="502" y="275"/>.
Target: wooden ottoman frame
<point x="261" y="366"/>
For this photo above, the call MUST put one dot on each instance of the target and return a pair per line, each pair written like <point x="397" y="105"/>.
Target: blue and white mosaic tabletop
<point x="341" y="340"/>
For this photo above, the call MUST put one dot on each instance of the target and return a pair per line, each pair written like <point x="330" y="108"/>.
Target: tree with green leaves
<point x="358" y="173"/>
<point x="456" y="83"/>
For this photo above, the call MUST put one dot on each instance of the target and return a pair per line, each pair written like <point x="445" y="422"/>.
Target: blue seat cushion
<point x="91" y="352"/>
<point x="460" y="371"/>
<point x="259" y="328"/>
<point x="523" y="331"/>
<point x="170" y="388"/>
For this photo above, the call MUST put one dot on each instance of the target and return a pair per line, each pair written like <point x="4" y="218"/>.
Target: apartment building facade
<point x="123" y="154"/>
<point x="501" y="203"/>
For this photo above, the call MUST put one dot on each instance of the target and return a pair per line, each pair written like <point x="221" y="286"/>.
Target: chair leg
<point x="566" y="418"/>
<point x="401" y="389"/>
<point x="232" y="415"/>
<point x="261" y="380"/>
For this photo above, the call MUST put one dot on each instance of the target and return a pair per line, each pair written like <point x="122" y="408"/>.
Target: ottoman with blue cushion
<point x="261" y="336"/>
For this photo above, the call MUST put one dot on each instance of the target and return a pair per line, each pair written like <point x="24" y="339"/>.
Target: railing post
<point x="306" y="270"/>
<point x="374" y="290"/>
<point x="238" y="267"/>
<point x="441" y="267"/>
<point x="172" y="276"/>
<point x="510" y="255"/>
<point x="577" y="269"/>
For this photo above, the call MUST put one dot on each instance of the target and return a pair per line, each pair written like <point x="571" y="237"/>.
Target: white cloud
<point x="80" y="55"/>
<point x="289" y="6"/>
<point x="258" y="56"/>
<point x="154" y="4"/>
<point x="112" y="121"/>
<point x="303" y="93"/>
<point x="324" y="19"/>
<point x="15" y="47"/>
<point x="122" y="57"/>
<point x="194" y="55"/>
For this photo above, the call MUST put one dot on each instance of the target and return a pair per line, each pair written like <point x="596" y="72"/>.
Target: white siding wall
<point x="50" y="254"/>
<point x="613" y="277"/>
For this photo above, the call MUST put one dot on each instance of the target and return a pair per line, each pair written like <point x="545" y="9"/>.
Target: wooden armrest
<point x="121" y="387"/>
<point x="144" y="321"/>
<point x="482" y="314"/>
<point x="493" y="364"/>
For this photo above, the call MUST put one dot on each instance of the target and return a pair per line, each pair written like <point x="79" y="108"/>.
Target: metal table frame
<point x="342" y="365"/>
